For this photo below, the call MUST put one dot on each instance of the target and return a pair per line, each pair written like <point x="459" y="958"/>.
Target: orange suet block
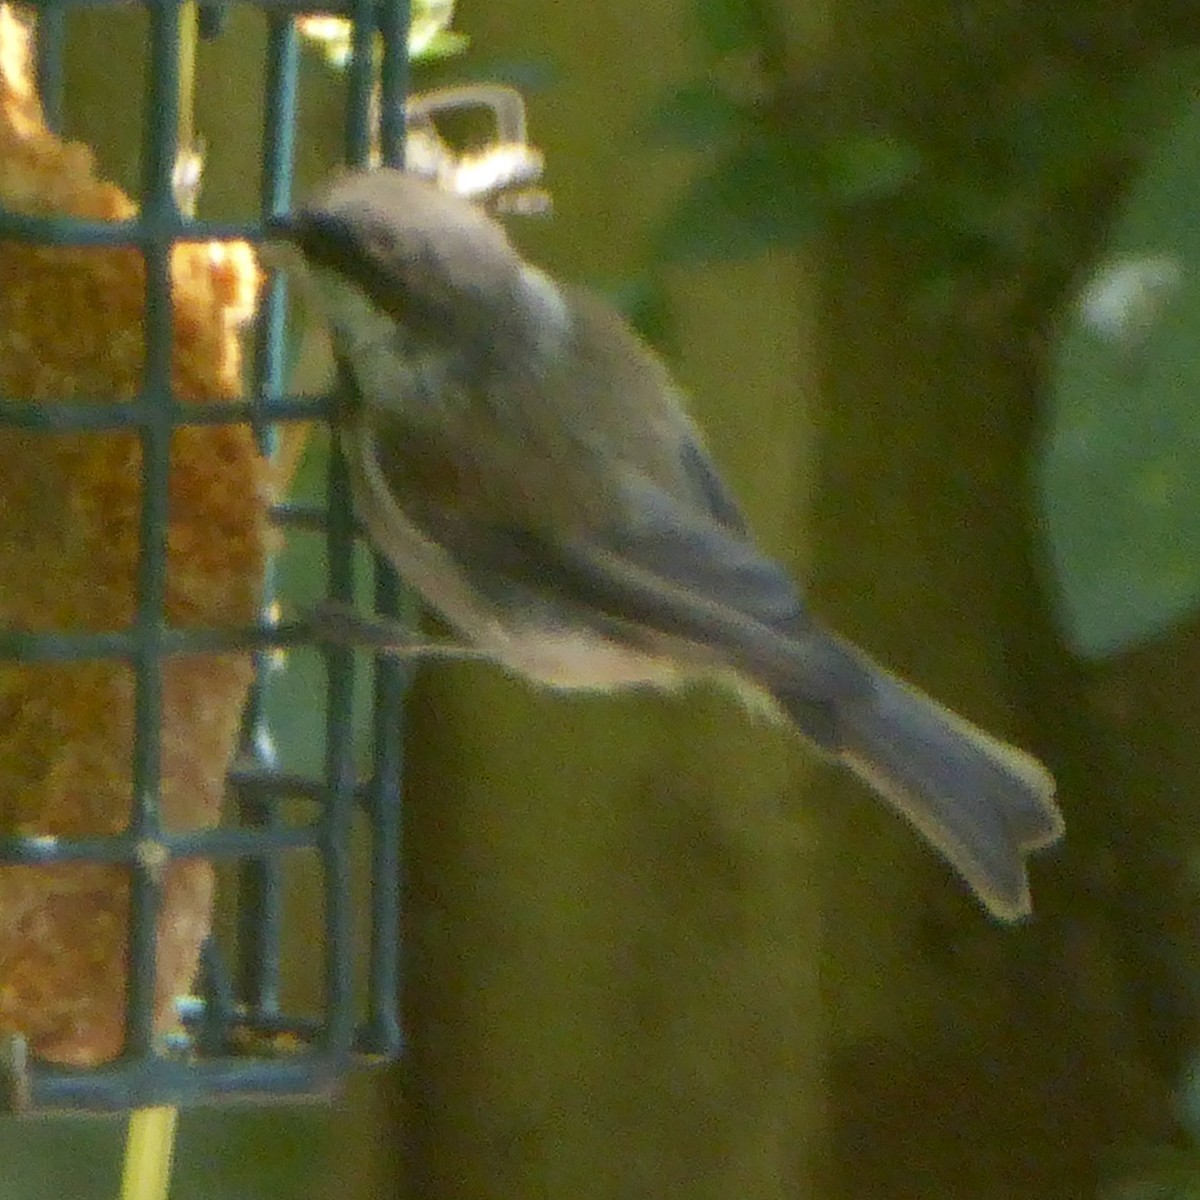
<point x="71" y="328"/>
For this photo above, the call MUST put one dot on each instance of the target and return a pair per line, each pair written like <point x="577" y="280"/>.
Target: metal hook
<point x="503" y="174"/>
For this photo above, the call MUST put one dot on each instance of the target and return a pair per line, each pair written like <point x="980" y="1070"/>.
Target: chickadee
<point x="527" y="465"/>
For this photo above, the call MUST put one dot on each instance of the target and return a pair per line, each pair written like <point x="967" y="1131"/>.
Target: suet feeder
<point x="137" y="626"/>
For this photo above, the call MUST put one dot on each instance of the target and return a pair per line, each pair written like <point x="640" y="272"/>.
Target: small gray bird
<point x="528" y="466"/>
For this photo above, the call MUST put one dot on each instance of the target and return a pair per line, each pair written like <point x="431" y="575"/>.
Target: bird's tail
<point x="980" y="802"/>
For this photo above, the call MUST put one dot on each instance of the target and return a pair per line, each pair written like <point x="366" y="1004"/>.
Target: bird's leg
<point x="341" y="625"/>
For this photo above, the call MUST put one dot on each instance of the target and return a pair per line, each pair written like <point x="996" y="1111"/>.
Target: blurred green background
<point x="929" y="272"/>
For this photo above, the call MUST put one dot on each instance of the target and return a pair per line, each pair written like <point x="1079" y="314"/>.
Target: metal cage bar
<point x="260" y="915"/>
<point x="238" y="1005"/>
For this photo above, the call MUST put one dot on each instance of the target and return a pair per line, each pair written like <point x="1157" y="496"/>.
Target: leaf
<point x="1062" y="129"/>
<point x="866" y="166"/>
<point x="1074" y="120"/>
<point x="1119" y="468"/>
<point x="1159" y="92"/>
<point x="428" y="19"/>
<point x="694" y="116"/>
<point x="758" y="195"/>
<point x="728" y="26"/>
<point x="441" y="45"/>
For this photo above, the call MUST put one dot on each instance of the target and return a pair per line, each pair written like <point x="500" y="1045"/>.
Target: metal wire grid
<point x="239" y="1006"/>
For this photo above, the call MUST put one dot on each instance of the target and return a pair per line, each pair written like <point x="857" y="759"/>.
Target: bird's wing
<point x="710" y="488"/>
<point x="667" y="572"/>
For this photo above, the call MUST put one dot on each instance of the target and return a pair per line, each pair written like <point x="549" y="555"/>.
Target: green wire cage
<point x="215" y="1052"/>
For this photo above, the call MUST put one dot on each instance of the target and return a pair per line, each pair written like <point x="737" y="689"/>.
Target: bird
<point x="528" y="465"/>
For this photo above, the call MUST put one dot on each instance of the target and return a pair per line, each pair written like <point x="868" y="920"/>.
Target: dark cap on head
<point x="398" y="235"/>
<point x="392" y="218"/>
<point x="441" y="267"/>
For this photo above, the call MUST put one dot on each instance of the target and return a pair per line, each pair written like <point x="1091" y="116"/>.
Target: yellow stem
<point x="189" y="38"/>
<point x="149" y="1148"/>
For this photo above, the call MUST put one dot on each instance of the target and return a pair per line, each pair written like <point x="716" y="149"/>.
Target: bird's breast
<point x="531" y="636"/>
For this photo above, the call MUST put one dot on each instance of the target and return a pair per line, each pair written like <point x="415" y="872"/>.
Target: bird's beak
<point x="277" y="251"/>
<point x="281" y="226"/>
